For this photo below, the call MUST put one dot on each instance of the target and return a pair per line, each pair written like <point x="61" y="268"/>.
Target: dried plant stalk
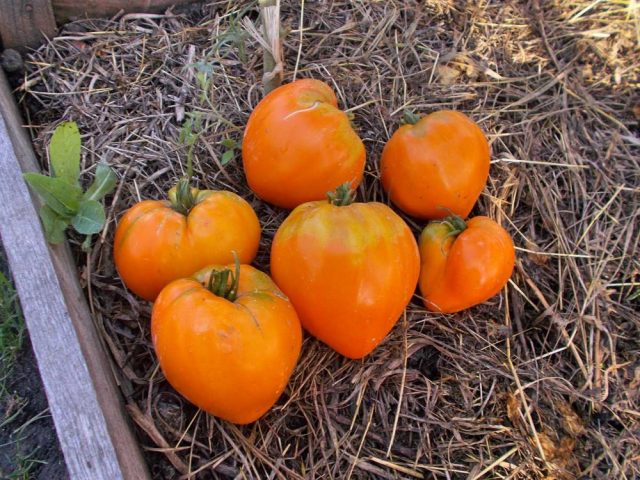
<point x="270" y="41"/>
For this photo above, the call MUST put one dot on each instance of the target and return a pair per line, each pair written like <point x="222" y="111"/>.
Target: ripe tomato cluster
<point x="228" y="336"/>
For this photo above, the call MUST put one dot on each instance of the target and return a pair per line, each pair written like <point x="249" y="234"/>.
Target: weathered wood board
<point x="24" y="22"/>
<point x="66" y="10"/>
<point x="95" y="436"/>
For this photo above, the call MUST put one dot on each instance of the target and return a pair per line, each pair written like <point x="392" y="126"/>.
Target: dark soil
<point x="28" y="443"/>
<point x="31" y="435"/>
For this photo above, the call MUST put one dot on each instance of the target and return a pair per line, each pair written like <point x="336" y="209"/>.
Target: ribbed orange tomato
<point x="436" y="167"/>
<point x="298" y="145"/>
<point x="349" y="269"/>
<point x="463" y="264"/>
<point x="160" y="241"/>
<point x="228" y="346"/>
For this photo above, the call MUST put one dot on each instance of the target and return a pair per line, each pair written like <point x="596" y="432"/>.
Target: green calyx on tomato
<point x="182" y="196"/>
<point x="410" y="118"/>
<point x="447" y="228"/>
<point x="224" y="283"/>
<point x="455" y="224"/>
<point x="342" y="196"/>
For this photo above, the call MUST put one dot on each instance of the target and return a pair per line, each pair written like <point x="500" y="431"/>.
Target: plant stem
<point x="219" y="284"/>
<point x="456" y="225"/>
<point x="183" y="201"/>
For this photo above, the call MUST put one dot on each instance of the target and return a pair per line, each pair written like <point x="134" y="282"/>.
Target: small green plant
<point x="235" y="35"/>
<point x="204" y="71"/>
<point x="230" y="146"/>
<point x="189" y="133"/>
<point x="64" y="201"/>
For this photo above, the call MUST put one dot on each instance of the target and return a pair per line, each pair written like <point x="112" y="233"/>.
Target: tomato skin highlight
<point x="154" y="244"/>
<point x="298" y="145"/>
<point x="349" y="271"/>
<point x="460" y="270"/>
<point x="436" y="167"/>
<point x="233" y="359"/>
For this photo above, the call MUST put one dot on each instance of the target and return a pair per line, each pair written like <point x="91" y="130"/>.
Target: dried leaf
<point x="513" y="408"/>
<point x="547" y="444"/>
<point x="536" y="254"/>
<point x="560" y="454"/>
<point x="571" y="422"/>
<point x="447" y="75"/>
<point x="564" y="452"/>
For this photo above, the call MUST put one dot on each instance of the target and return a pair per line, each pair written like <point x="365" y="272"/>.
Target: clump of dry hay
<point x="542" y="381"/>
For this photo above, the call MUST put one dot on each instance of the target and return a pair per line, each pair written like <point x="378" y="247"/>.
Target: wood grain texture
<point x="95" y="436"/>
<point x="24" y="22"/>
<point x="66" y="10"/>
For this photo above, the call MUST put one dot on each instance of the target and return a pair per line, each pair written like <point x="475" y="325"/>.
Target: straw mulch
<point x="542" y="381"/>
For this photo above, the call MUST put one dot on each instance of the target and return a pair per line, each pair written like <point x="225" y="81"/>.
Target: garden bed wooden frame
<point x="92" y="427"/>
<point x="94" y="431"/>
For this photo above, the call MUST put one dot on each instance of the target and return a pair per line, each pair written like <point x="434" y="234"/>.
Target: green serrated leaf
<point x="203" y="80"/>
<point x="62" y="197"/>
<point x="90" y="217"/>
<point x="186" y="132"/>
<point x="228" y="143"/>
<point x="54" y="225"/>
<point x="227" y="157"/>
<point x="103" y="183"/>
<point x="203" y="66"/>
<point x="64" y="152"/>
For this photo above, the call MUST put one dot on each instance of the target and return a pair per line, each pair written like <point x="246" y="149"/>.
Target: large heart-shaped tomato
<point x="160" y="241"/>
<point x="228" y="349"/>
<point x="349" y="269"/>
<point x="463" y="264"/>
<point x="298" y="145"/>
<point x="436" y="167"/>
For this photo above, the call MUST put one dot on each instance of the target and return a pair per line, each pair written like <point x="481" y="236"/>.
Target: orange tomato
<point x="349" y="270"/>
<point x="155" y="243"/>
<point x="463" y="264"/>
<point x="436" y="167"/>
<point x="298" y="145"/>
<point x="231" y="352"/>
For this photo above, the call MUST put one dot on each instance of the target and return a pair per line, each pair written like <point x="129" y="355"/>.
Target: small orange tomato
<point x="228" y="346"/>
<point x="463" y="264"/>
<point x="298" y="145"/>
<point x="160" y="241"/>
<point x="349" y="269"/>
<point x="436" y="167"/>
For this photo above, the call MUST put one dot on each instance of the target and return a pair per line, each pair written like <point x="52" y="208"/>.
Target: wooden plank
<point x="24" y="22"/>
<point x="66" y="10"/>
<point x="95" y="436"/>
